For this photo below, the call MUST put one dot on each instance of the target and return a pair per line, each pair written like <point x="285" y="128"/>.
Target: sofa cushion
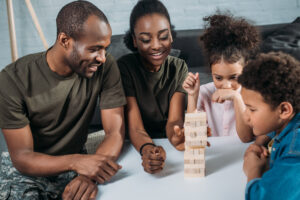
<point x="285" y="39"/>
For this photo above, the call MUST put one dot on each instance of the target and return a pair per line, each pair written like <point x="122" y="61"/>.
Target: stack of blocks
<point x="195" y="130"/>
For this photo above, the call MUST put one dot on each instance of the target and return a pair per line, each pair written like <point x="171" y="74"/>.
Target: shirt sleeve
<point x="112" y="94"/>
<point x="12" y="106"/>
<point x="126" y="78"/>
<point x="280" y="182"/>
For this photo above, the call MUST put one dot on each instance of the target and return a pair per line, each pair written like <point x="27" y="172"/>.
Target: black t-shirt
<point x="58" y="109"/>
<point x="152" y="90"/>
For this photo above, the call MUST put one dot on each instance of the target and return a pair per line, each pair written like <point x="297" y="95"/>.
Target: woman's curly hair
<point x="142" y="8"/>
<point x="276" y="77"/>
<point x="229" y="38"/>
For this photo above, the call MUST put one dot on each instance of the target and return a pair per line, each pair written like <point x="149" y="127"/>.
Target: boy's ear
<point x="286" y="110"/>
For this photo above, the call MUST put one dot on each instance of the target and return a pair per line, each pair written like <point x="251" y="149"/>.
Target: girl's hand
<point x="221" y="95"/>
<point x="191" y="84"/>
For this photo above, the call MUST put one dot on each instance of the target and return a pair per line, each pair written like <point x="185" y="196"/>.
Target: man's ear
<point x="134" y="41"/>
<point x="286" y="110"/>
<point x="64" y="41"/>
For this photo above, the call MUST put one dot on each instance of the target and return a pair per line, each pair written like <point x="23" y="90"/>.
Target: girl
<point x="152" y="80"/>
<point x="228" y="43"/>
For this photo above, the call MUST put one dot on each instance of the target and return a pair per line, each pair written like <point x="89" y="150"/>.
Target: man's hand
<point x="221" y="95"/>
<point x="97" y="167"/>
<point x="153" y="158"/>
<point x="255" y="161"/>
<point x="80" y="188"/>
<point x="191" y="84"/>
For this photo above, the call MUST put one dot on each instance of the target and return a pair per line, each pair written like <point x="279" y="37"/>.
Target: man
<point x="47" y="100"/>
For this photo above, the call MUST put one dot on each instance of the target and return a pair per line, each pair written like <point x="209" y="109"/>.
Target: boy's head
<point x="271" y="91"/>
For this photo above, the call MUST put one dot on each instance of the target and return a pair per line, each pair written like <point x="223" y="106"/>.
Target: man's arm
<point x="114" y="128"/>
<point x="20" y="147"/>
<point x="174" y="127"/>
<point x="28" y="162"/>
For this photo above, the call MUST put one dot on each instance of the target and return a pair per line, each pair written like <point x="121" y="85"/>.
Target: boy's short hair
<point x="276" y="76"/>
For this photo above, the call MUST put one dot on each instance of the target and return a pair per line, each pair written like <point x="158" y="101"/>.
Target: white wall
<point x="185" y="14"/>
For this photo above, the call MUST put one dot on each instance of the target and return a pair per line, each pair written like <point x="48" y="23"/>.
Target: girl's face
<point x="225" y="74"/>
<point x="152" y="37"/>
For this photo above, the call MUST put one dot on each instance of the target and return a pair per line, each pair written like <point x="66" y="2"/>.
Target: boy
<point x="271" y="92"/>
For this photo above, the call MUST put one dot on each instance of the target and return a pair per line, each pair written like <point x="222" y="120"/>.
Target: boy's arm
<point x="174" y="126"/>
<point x="114" y="128"/>
<point x="262" y="140"/>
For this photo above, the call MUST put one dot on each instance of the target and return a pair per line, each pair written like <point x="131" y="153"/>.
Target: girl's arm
<point x="243" y="130"/>
<point x="192" y="85"/>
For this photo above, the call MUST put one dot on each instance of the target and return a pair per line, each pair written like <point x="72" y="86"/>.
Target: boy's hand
<point x="221" y="95"/>
<point x="258" y="149"/>
<point x="191" y="84"/>
<point x="255" y="162"/>
<point x="80" y="188"/>
<point x="153" y="158"/>
<point x="97" y="167"/>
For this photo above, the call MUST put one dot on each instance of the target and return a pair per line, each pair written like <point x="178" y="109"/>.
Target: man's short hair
<point x="72" y="16"/>
<point x="276" y="76"/>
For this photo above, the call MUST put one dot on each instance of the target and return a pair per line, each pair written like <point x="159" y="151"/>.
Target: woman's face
<point x="225" y="74"/>
<point x="152" y="37"/>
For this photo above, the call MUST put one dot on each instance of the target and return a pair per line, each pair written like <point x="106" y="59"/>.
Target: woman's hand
<point x="153" y="158"/>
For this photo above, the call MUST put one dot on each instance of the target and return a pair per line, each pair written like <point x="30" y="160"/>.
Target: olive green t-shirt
<point x="152" y="90"/>
<point x="58" y="109"/>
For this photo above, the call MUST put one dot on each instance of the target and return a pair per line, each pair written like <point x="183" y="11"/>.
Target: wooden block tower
<point x="195" y="130"/>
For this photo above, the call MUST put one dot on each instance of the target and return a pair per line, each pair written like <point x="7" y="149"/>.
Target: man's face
<point x="152" y="38"/>
<point x="88" y="52"/>
<point x="259" y="115"/>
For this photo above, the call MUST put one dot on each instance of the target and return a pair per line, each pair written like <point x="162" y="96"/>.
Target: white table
<point x="224" y="179"/>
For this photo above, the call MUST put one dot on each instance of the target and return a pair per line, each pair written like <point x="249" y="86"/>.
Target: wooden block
<point x="194" y="172"/>
<point x="195" y="129"/>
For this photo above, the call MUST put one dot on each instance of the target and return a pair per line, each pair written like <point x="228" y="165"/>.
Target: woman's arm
<point x="174" y="127"/>
<point x="137" y="133"/>
<point x="153" y="157"/>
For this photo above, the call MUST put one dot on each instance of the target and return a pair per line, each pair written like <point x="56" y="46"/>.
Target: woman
<point x="152" y="81"/>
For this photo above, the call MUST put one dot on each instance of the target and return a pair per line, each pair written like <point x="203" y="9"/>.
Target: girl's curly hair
<point x="229" y="38"/>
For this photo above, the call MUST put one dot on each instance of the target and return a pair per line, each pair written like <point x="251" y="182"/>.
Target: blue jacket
<point x="282" y="180"/>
